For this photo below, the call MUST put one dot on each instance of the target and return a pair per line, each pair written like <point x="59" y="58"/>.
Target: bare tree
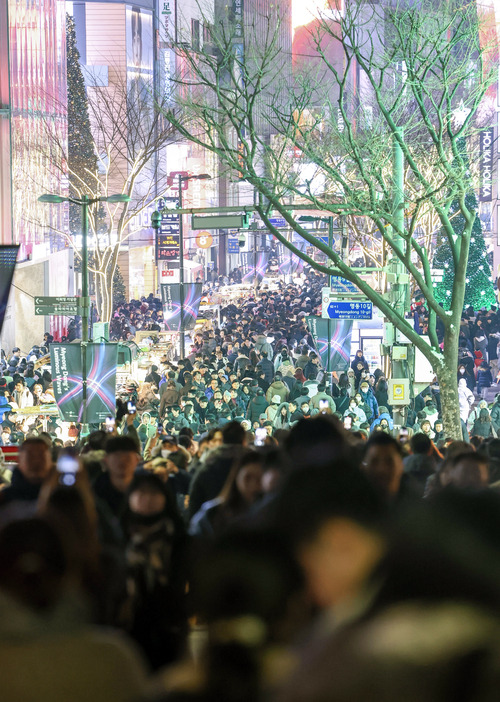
<point x="129" y="133"/>
<point x="421" y="75"/>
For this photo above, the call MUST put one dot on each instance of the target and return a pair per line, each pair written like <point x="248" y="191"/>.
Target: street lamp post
<point x="84" y="203"/>
<point x="182" y="179"/>
<point x="329" y="221"/>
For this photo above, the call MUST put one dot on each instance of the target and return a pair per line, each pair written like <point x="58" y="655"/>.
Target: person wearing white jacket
<point x="465" y="399"/>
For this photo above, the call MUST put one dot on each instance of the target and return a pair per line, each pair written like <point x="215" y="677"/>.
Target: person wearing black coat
<point x="267" y="367"/>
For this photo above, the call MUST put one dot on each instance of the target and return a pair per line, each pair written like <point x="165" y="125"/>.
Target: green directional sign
<point x="57" y="305"/>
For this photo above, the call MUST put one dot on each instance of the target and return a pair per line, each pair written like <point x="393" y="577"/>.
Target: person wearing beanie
<point x="272" y="410"/>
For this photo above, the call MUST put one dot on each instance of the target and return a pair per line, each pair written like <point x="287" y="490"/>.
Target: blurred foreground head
<point x="32" y="563"/>
<point x="332" y="517"/>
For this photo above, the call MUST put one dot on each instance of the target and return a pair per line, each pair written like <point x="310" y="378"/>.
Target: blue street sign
<point x="341" y="285"/>
<point x="232" y="245"/>
<point x="278" y="222"/>
<point x="350" y="310"/>
<point x="324" y="239"/>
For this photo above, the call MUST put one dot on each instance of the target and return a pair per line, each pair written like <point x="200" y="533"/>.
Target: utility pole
<point x="330" y="244"/>
<point x="85" y="303"/>
<point x="181" y="270"/>
<point x="399" y="276"/>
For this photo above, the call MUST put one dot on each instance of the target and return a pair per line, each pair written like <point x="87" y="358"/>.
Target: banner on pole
<point x="340" y="341"/>
<point x="171" y="298"/>
<point x="257" y="266"/>
<point x="192" y="299"/>
<point x="67" y="379"/>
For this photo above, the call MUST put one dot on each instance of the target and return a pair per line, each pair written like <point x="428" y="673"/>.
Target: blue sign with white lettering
<point x="341" y="285"/>
<point x="278" y="222"/>
<point x="350" y="310"/>
<point x="232" y="245"/>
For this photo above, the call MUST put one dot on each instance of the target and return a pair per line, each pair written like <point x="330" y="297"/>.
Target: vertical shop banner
<point x="257" y="266"/>
<point x="192" y="299"/>
<point x="486" y="141"/>
<point x="340" y="341"/>
<point x="290" y="264"/>
<point x="67" y="378"/>
<point x="8" y="256"/>
<point x="171" y="298"/>
<point x="168" y="235"/>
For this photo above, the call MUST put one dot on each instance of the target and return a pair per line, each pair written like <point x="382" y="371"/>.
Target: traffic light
<point x="156" y="219"/>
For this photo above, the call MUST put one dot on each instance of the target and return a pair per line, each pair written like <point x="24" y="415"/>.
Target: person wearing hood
<point x="303" y="358"/>
<point x="266" y="366"/>
<point x="482" y="426"/>
<point x="368" y="398"/>
<point x="272" y="410"/>
<point x="355" y="410"/>
<point x="484" y="377"/>
<point x="359" y="364"/>
<point x="286" y="367"/>
<point x="481" y="342"/>
<point x="262" y="344"/>
<point x="430" y="411"/>
<point x="383" y="413"/>
<point x="299" y="375"/>
<point x="475" y="413"/>
<point x="351" y="380"/>
<point x="495" y="414"/>
<point x="256" y="406"/>
<point x="277" y="387"/>
<point x="465" y="399"/>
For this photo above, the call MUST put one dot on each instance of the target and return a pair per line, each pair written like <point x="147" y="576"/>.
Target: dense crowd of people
<point x="250" y="528"/>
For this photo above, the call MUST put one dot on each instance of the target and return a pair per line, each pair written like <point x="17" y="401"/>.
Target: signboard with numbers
<point x="348" y="310"/>
<point x="343" y="286"/>
<point x="167" y="237"/>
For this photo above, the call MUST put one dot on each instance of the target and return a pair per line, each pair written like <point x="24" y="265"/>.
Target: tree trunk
<point x="448" y="386"/>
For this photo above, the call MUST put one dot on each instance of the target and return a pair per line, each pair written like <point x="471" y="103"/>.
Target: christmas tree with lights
<point x="82" y="160"/>
<point x="479" y="288"/>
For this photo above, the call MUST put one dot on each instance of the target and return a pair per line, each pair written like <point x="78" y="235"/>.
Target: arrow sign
<point x="57" y="305"/>
<point x="44" y="300"/>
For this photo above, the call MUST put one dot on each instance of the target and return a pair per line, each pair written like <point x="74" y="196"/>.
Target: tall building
<point x="32" y="132"/>
<point x="37" y="55"/>
<point x="126" y="51"/>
